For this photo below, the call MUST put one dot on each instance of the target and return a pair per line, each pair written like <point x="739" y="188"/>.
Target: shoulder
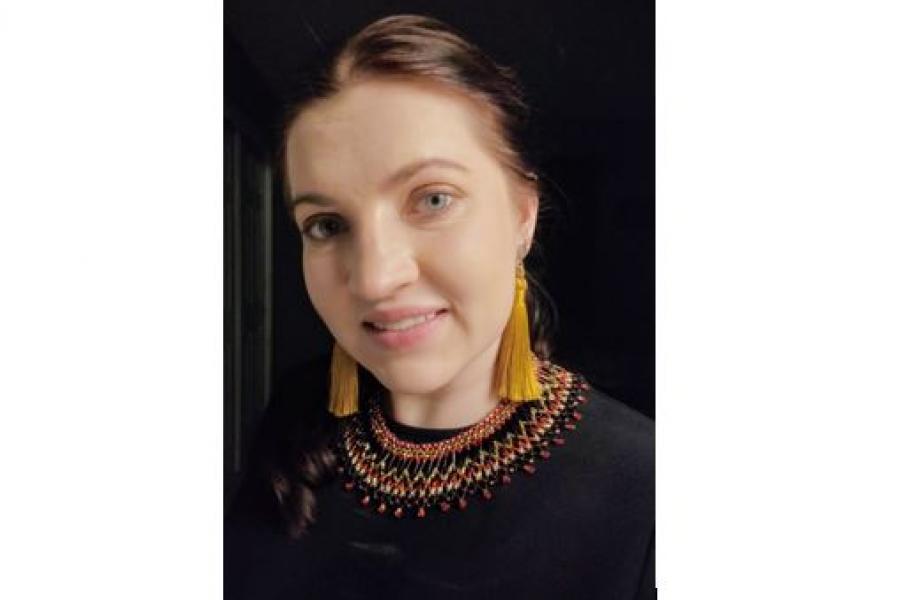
<point x="294" y="421"/>
<point x="606" y="469"/>
<point x="618" y="426"/>
<point x="615" y="442"/>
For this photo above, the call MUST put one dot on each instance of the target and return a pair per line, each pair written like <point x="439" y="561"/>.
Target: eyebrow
<point x="399" y="176"/>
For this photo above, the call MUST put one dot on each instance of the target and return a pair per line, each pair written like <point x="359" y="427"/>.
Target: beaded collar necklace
<point x="398" y="477"/>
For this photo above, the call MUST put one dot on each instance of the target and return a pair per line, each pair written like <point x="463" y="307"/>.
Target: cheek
<point x="319" y="275"/>
<point x="476" y="263"/>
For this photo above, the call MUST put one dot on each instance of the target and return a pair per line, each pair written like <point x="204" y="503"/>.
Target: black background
<point x="588" y="71"/>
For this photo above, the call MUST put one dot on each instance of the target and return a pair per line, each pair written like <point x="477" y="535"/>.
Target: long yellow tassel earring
<point x="516" y="373"/>
<point x="344" y="392"/>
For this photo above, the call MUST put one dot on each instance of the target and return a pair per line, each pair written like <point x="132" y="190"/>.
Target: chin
<point x="413" y="374"/>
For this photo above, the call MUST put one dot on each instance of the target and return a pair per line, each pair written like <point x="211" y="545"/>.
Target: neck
<point x="463" y="401"/>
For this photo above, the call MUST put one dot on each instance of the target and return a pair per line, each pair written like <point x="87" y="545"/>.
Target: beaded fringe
<point x="401" y="478"/>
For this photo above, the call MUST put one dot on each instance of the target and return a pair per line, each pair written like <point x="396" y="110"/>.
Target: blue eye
<point x="322" y="228"/>
<point x="436" y="201"/>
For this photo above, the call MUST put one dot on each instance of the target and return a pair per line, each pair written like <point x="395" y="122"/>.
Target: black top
<point x="581" y="527"/>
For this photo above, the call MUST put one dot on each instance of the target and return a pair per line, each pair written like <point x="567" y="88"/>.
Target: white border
<point x="777" y="299"/>
<point x="111" y="332"/>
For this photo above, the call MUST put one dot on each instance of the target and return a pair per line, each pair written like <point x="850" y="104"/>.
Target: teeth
<point x="404" y="323"/>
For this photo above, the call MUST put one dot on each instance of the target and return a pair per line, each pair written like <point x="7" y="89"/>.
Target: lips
<point x="393" y="316"/>
<point x="404" y="324"/>
<point x="408" y="330"/>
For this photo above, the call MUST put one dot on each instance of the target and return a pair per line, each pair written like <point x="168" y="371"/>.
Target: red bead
<point x="348" y="486"/>
<point x="545" y="454"/>
<point x="529" y="468"/>
<point x="398" y="513"/>
<point x="445" y="506"/>
<point x="559" y="441"/>
<point x="576" y="415"/>
<point x="570" y="426"/>
<point x="463" y="504"/>
<point x="382" y="508"/>
<point x="421" y="512"/>
<point x="365" y="501"/>
<point x="487" y="494"/>
<point x="505" y="479"/>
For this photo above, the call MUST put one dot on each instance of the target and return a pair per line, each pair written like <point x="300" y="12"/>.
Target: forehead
<point x="372" y="127"/>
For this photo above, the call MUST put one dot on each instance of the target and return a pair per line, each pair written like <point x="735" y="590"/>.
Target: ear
<point x="528" y="203"/>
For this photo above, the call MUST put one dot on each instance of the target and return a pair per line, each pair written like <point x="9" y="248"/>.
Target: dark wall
<point x="588" y="70"/>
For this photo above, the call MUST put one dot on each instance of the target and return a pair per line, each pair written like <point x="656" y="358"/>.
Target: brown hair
<point x="423" y="48"/>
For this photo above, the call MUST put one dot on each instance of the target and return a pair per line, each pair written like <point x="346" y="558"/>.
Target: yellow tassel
<point x="344" y="391"/>
<point x="516" y="372"/>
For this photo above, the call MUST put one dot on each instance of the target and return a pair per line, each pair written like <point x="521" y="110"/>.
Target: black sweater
<point x="582" y="526"/>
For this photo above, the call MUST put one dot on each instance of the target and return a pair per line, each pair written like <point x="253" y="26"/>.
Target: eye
<point x="323" y="227"/>
<point x="435" y="201"/>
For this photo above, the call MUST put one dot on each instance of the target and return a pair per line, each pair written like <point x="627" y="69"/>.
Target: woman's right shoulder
<point x="295" y="417"/>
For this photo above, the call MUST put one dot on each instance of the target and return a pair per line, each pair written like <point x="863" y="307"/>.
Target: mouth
<point x="407" y="332"/>
<point x="404" y="324"/>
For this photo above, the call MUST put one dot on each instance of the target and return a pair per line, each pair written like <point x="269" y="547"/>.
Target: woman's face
<point x="405" y="211"/>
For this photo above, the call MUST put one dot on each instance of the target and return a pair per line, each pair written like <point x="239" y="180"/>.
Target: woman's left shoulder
<point x="607" y="469"/>
<point x="619" y="424"/>
<point x="620" y="437"/>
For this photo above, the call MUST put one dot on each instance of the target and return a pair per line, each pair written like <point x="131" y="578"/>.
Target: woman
<point x="439" y="452"/>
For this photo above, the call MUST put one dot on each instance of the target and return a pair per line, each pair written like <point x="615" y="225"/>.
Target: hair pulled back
<point x="294" y="445"/>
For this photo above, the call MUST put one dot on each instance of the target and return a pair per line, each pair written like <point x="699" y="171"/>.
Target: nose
<point x="382" y="261"/>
